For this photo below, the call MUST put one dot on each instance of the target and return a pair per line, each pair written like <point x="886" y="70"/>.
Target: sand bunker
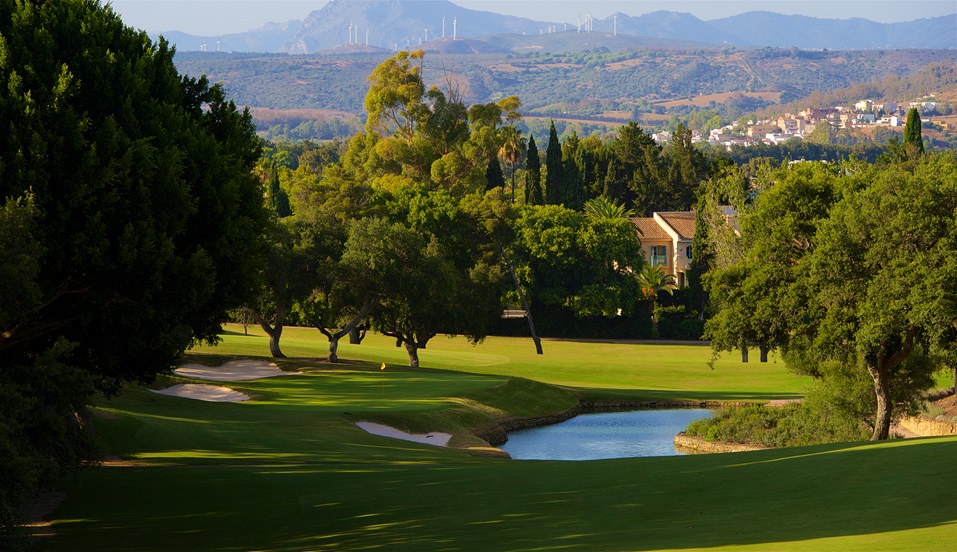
<point x="203" y="392"/>
<point x="234" y="370"/>
<point x="437" y="439"/>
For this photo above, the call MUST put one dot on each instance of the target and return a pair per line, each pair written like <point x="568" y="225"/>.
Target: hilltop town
<point x="865" y="115"/>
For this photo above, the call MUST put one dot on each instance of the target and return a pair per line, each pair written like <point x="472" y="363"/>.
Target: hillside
<point x="582" y="84"/>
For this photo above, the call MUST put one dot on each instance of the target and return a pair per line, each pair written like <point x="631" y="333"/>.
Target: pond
<point x="601" y="435"/>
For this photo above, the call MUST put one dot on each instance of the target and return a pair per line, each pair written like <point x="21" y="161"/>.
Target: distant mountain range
<point x="402" y="24"/>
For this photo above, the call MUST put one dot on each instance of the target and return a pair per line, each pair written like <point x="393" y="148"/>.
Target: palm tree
<point x="602" y="207"/>
<point x="513" y="146"/>
<point x="653" y="280"/>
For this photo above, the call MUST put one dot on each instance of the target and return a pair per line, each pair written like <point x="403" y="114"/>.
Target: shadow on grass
<point x="780" y="499"/>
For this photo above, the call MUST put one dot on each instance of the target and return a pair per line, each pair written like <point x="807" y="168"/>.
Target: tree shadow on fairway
<point x="770" y="500"/>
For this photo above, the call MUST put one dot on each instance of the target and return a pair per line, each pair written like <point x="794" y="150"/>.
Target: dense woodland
<point x="140" y="210"/>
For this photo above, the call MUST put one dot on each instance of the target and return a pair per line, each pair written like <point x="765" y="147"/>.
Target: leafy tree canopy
<point x="128" y="190"/>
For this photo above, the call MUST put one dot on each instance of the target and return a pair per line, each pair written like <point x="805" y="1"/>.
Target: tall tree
<point x="282" y="284"/>
<point x="882" y="272"/>
<point x="687" y="169"/>
<point x="854" y="270"/>
<point x="448" y="279"/>
<point x="912" y="130"/>
<point x="493" y="175"/>
<point x="533" y="175"/>
<point x="573" y="189"/>
<point x="145" y="222"/>
<point x="513" y="146"/>
<point x="553" y="168"/>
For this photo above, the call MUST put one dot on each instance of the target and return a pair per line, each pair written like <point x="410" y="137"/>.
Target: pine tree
<point x="912" y="130"/>
<point x="553" y="168"/>
<point x="533" y="175"/>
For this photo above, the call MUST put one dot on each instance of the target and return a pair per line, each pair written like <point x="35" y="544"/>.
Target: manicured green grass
<point x="646" y="371"/>
<point x="289" y="471"/>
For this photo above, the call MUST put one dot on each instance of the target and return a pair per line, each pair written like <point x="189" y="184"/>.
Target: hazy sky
<point x="215" y="17"/>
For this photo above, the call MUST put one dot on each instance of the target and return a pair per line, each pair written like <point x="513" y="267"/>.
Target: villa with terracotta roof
<point x="666" y="240"/>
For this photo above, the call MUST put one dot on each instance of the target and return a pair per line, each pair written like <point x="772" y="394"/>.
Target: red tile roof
<point x="650" y="229"/>
<point x="682" y="222"/>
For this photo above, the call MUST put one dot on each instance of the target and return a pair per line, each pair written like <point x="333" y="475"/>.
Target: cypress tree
<point x="573" y="175"/>
<point x="533" y="175"/>
<point x="494" y="178"/>
<point x="912" y="130"/>
<point x="553" y="168"/>
<point x="278" y="198"/>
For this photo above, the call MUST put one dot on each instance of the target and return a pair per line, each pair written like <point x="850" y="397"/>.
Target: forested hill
<point x="584" y="83"/>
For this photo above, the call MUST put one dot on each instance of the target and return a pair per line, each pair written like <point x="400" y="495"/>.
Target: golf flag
<point x="382" y="367"/>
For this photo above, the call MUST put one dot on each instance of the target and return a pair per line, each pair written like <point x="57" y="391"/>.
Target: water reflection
<point x="601" y="435"/>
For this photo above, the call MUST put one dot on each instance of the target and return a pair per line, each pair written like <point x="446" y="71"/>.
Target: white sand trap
<point x="234" y="370"/>
<point x="203" y="392"/>
<point x="437" y="439"/>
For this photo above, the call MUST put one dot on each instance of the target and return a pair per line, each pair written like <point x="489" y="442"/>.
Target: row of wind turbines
<point x="354" y="33"/>
<point x="587" y="24"/>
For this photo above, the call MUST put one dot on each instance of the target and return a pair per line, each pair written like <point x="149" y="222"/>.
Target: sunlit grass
<point x="288" y="470"/>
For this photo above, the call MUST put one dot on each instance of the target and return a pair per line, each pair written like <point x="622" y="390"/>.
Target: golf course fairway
<point x="288" y="470"/>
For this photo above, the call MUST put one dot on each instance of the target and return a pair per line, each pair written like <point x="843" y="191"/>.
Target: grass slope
<point x="289" y="471"/>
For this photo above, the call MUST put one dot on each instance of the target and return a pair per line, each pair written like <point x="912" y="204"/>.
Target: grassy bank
<point x="290" y="471"/>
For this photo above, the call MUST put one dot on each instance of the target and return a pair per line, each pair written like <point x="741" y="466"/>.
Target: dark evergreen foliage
<point x="138" y="215"/>
<point x="533" y="175"/>
<point x="912" y="130"/>
<point x="553" y="168"/>
<point x="494" y="178"/>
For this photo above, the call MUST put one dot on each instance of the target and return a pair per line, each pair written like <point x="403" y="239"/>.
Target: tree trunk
<point x="955" y="384"/>
<point x="528" y="312"/>
<point x="356" y="336"/>
<point x="274" y="332"/>
<point x="334" y="337"/>
<point x="413" y="351"/>
<point x="882" y="417"/>
<point x="744" y="353"/>
<point x="764" y="353"/>
<point x="333" y="348"/>
<point x="274" y="343"/>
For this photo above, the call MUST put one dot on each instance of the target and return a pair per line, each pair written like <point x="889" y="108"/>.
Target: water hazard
<point x="601" y="435"/>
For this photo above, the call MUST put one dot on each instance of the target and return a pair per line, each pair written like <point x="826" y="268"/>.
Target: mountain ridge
<point x="405" y="24"/>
